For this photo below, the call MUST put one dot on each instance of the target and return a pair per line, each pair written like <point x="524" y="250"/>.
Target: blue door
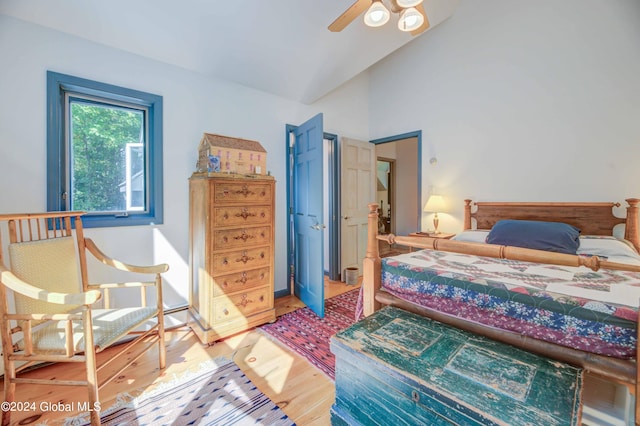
<point x="307" y="211"/>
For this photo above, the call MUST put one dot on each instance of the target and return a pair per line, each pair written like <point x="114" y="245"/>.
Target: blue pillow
<point x="550" y="236"/>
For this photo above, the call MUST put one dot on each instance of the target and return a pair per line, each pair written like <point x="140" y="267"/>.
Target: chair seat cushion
<point x="109" y="325"/>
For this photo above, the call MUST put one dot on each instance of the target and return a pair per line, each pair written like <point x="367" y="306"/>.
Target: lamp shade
<point x="377" y="14"/>
<point x="410" y="19"/>
<point x="435" y="204"/>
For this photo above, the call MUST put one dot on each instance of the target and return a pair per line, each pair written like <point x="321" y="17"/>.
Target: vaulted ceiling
<point x="281" y="47"/>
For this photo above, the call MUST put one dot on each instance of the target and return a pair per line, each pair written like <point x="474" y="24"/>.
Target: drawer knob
<point x="415" y="396"/>
<point x="226" y="311"/>
<point x="245" y="301"/>
<point x="244" y="258"/>
<point x="244" y="191"/>
<point x="262" y="298"/>
<point x="225" y="261"/>
<point x="244" y="236"/>
<point x="245" y="214"/>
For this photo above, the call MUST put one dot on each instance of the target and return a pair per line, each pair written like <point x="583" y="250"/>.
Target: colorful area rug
<point x="218" y="394"/>
<point x="308" y="334"/>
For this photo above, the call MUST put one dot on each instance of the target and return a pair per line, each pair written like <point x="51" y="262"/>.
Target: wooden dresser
<point x="231" y="251"/>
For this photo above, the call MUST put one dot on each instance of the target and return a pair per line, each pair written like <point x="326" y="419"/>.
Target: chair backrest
<point x="42" y="251"/>
<point x="48" y="264"/>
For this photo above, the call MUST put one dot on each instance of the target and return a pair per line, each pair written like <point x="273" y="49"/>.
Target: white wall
<point x="193" y="104"/>
<point x="529" y="101"/>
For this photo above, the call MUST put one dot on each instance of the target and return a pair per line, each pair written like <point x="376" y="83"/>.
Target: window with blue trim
<point x="104" y="151"/>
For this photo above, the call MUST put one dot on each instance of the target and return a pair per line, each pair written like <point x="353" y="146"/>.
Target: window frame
<point x="58" y="86"/>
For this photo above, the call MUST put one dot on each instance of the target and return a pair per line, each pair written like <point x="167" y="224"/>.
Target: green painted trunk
<point x="396" y="367"/>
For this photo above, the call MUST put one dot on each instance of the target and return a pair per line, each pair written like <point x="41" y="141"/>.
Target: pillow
<point x="549" y="236"/>
<point x="606" y="247"/>
<point x="472" y="236"/>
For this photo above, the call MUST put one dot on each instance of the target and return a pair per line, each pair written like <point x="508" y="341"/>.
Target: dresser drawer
<point x="241" y="304"/>
<point x="244" y="192"/>
<point x="241" y="237"/>
<point x="239" y="216"/>
<point x="239" y="260"/>
<point x="241" y="281"/>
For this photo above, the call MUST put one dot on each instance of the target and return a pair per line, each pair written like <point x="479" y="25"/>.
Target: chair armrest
<point x="16" y="284"/>
<point x="72" y="316"/>
<point x="95" y="251"/>
<point x="132" y="284"/>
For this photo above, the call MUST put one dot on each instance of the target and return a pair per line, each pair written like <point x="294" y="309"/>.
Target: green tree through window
<point x="100" y="136"/>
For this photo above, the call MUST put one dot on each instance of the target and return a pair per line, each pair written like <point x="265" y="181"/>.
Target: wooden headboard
<point x="590" y="218"/>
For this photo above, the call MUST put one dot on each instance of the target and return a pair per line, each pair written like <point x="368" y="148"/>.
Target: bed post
<point x="467" y="214"/>
<point x="631" y="225"/>
<point x="371" y="265"/>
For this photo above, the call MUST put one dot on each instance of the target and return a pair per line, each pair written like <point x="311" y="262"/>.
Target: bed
<point x="577" y="308"/>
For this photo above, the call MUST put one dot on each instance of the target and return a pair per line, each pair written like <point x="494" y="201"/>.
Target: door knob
<point x="346" y="217"/>
<point x="318" y="226"/>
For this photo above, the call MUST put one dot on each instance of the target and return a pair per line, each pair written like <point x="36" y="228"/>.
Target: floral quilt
<point x="570" y="306"/>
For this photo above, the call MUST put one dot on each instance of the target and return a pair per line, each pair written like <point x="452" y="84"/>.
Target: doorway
<point x="331" y="179"/>
<point x="406" y="200"/>
<point x="385" y="191"/>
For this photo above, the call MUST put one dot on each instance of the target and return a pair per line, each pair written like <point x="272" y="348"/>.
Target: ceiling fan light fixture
<point x="410" y="19"/>
<point x="405" y="4"/>
<point x="377" y="15"/>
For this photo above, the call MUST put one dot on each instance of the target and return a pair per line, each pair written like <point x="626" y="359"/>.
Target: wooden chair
<point x="54" y="319"/>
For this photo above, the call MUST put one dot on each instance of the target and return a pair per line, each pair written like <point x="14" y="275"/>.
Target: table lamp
<point x="435" y="204"/>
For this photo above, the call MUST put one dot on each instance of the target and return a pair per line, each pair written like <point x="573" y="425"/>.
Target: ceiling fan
<point x="413" y="18"/>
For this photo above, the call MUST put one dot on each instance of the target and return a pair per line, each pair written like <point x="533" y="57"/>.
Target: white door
<point x="358" y="171"/>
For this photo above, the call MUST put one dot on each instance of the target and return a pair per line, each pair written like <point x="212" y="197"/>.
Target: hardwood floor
<point x="303" y="392"/>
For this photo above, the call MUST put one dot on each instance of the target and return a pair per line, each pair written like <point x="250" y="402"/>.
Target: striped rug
<point x="218" y="394"/>
<point x="308" y="334"/>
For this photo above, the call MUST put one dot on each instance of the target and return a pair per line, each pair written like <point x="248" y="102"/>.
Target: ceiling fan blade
<point x="425" y="24"/>
<point x="349" y="15"/>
